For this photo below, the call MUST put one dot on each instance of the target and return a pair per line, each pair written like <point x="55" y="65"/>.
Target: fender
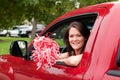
<point x="6" y="71"/>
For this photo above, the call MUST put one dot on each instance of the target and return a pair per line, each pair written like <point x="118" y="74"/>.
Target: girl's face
<point x="76" y="39"/>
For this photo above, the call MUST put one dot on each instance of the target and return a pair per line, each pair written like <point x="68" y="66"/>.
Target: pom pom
<point x="46" y="51"/>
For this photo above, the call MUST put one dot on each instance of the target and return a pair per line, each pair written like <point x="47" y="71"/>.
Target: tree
<point x="92" y="2"/>
<point x="39" y="11"/>
<point x="9" y="13"/>
<point x="16" y="11"/>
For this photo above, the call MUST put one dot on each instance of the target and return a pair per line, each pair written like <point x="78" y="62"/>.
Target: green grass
<point x="5" y="43"/>
<point x="60" y="42"/>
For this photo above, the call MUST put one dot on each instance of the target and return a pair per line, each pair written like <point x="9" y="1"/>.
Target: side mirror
<point x="18" y="48"/>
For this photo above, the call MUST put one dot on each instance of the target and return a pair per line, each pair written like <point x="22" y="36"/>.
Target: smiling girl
<point x="75" y="39"/>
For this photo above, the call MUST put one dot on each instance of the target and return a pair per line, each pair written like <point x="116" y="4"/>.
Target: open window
<point x="58" y="29"/>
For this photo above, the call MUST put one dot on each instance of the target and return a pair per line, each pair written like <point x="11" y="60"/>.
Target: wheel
<point x="29" y="35"/>
<point x="7" y="35"/>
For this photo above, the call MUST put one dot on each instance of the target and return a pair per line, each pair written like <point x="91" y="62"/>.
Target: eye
<point x="71" y="36"/>
<point x="79" y="35"/>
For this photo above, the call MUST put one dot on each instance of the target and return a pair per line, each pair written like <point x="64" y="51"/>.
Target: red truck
<point x="101" y="57"/>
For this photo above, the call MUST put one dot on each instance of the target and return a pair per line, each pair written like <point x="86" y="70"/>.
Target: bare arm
<point x="72" y="61"/>
<point x="63" y="55"/>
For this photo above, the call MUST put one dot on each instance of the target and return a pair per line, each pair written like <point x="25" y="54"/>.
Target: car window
<point x="57" y="30"/>
<point x="14" y="28"/>
<point x="40" y="27"/>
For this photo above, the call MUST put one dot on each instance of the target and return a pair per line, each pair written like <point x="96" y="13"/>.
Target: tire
<point x="7" y="35"/>
<point x="29" y="35"/>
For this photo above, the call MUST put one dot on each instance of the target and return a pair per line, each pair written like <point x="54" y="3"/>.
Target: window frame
<point x="65" y="20"/>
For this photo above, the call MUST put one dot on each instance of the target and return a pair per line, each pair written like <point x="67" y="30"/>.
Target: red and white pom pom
<point x="46" y="51"/>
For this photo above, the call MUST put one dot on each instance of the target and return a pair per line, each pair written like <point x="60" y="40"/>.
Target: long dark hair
<point x="82" y="29"/>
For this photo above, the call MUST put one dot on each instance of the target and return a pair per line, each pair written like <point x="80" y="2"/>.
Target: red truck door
<point x="106" y="48"/>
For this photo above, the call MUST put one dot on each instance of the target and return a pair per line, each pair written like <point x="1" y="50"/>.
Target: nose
<point x="74" y="38"/>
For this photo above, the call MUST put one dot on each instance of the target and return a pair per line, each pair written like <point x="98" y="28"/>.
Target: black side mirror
<point x="18" y="48"/>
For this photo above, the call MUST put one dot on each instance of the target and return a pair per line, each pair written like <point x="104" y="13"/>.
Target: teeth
<point x="76" y="44"/>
